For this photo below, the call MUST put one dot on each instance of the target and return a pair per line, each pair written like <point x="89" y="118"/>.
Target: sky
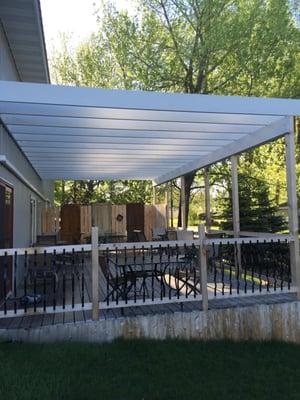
<point x="76" y="17"/>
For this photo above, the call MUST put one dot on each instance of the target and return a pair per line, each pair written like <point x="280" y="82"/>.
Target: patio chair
<point x="159" y="234"/>
<point x="120" y="283"/>
<point x="185" y="235"/>
<point x="139" y="236"/>
<point x="171" y="235"/>
<point x="41" y="269"/>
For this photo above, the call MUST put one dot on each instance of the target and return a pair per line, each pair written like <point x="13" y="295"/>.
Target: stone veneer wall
<point x="260" y="322"/>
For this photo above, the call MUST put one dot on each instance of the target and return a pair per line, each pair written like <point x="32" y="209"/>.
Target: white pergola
<point x="88" y="133"/>
<point x="85" y="133"/>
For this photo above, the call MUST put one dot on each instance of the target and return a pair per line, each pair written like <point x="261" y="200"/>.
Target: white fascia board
<point x="259" y="137"/>
<point x="21" y="92"/>
<point x="7" y="164"/>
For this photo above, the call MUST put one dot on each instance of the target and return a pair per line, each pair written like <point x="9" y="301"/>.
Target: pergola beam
<point x="259" y="137"/>
<point x="21" y="92"/>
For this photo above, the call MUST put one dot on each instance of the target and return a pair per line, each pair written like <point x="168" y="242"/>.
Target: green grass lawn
<point x="150" y="370"/>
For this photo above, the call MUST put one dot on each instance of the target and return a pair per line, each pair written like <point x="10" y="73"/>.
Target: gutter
<point x="7" y="164"/>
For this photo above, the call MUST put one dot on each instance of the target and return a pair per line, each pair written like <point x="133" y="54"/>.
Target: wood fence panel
<point x="70" y="223"/>
<point x="134" y="219"/>
<point x="50" y="220"/>
<point x="155" y="217"/>
<point x="160" y="216"/>
<point x="148" y="218"/>
<point x="118" y="219"/>
<point x="101" y="217"/>
<point x="85" y="222"/>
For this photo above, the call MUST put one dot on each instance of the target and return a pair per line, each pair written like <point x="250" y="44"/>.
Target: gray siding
<point x="8" y="69"/>
<point x="22" y="193"/>
<point x="14" y="155"/>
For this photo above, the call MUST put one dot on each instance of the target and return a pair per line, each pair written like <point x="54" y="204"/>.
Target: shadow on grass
<point x="144" y="369"/>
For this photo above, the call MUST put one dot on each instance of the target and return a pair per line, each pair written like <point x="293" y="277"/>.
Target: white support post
<point x="95" y="274"/>
<point x="203" y="267"/>
<point x="168" y="204"/>
<point x="235" y="206"/>
<point x="293" y="207"/>
<point x="207" y="199"/>
<point x="171" y="204"/>
<point x="182" y="194"/>
<point x="235" y="196"/>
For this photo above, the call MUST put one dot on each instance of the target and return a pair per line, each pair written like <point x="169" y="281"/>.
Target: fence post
<point x="95" y="274"/>
<point x="203" y="267"/>
<point x="291" y="181"/>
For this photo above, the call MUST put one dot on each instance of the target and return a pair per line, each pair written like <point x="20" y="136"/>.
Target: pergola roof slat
<point x="81" y="133"/>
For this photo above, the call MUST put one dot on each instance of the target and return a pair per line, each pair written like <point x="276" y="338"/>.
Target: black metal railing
<point x="48" y="280"/>
<point x="149" y="274"/>
<point x="57" y="279"/>
<point x="248" y="267"/>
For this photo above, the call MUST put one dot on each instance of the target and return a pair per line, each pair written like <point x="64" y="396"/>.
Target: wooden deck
<point x="38" y="320"/>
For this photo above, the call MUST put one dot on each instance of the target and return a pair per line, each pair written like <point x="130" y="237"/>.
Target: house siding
<point x="8" y="147"/>
<point x="8" y="70"/>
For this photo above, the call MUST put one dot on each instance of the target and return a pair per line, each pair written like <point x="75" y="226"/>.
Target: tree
<point x="257" y="213"/>
<point x="194" y="46"/>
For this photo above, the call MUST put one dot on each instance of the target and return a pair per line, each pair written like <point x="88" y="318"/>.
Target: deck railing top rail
<point x="146" y="245"/>
<point x="250" y="240"/>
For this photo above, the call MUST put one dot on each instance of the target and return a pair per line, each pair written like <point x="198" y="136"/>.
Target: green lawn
<point x="150" y="370"/>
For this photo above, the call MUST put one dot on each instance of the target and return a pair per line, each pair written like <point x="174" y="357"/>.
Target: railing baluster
<point x="245" y="274"/>
<point x="5" y="269"/>
<point x="44" y="280"/>
<point x="214" y="267"/>
<point x="34" y="280"/>
<point x="15" y="281"/>
<point x="73" y="278"/>
<point x="55" y="280"/>
<point x="64" y="280"/>
<point x="222" y="276"/>
<point x="107" y="263"/>
<point x="82" y="278"/>
<point x="274" y="265"/>
<point x="153" y="269"/>
<point x="25" y="280"/>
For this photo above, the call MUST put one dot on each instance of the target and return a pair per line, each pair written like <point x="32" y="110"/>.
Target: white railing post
<point x="95" y="274"/>
<point x="291" y="180"/>
<point x="203" y="267"/>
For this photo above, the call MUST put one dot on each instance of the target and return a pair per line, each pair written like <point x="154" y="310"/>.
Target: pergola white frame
<point x="88" y="133"/>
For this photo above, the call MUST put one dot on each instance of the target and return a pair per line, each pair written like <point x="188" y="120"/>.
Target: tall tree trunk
<point x="189" y="179"/>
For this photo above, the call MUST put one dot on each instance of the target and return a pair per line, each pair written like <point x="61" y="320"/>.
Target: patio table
<point x="156" y="266"/>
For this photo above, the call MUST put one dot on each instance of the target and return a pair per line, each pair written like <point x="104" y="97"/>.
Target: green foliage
<point x="226" y="47"/>
<point x="257" y="212"/>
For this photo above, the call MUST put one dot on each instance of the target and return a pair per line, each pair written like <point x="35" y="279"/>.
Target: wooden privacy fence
<point x="124" y="219"/>
<point x="74" y="221"/>
<point x="50" y="220"/>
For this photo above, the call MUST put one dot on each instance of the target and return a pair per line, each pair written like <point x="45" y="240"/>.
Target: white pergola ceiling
<point x="85" y="133"/>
